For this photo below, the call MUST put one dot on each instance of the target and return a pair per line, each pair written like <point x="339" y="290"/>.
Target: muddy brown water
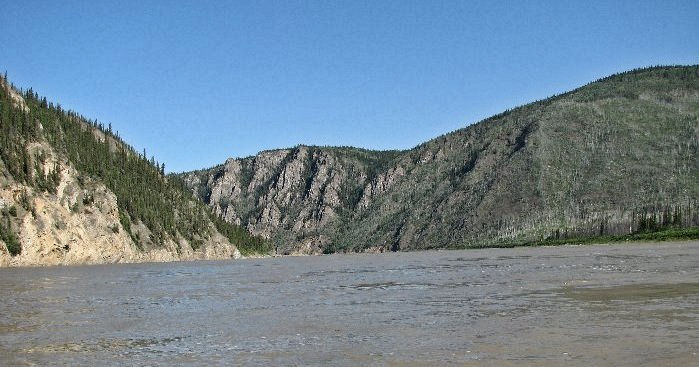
<point x="607" y="305"/>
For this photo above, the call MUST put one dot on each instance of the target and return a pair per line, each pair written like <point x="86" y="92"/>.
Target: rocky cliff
<point x="65" y="229"/>
<point x="611" y="157"/>
<point x="298" y="197"/>
<point x="57" y="212"/>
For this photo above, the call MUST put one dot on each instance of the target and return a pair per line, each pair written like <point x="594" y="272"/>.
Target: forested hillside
<point x="617" y="158"/>
<point x="52" y="154"/>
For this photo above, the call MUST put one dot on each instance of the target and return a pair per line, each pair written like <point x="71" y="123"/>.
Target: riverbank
<point x="162" y="255"/>
<point x="671" y="234"/>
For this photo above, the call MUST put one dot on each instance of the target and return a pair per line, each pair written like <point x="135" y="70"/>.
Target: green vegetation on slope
<point x="143" y="192"/>
<point x="604" y="159"/>
<point x="607" y="159"/>
<point x="666" y="234"/>
<point x="6" y="235"/>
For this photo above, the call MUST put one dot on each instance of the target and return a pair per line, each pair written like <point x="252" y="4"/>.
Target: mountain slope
<point x="297" y="197"/>
<point x="71" y="191"/>
<point x="616" y="156"/>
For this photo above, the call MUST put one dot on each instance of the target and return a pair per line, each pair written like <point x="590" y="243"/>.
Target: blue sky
<point x="195" y="82"/>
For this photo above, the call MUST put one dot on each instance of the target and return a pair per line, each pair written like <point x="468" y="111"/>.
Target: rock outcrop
<point x="64" y="228"/>
<point x="295" y="195"/>
<point x="75" y="218"/>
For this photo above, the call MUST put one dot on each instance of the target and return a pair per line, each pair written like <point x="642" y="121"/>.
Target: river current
<point x="603" y="305"/>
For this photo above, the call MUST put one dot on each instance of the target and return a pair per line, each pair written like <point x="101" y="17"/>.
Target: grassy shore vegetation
<point x="667" y="234"/>
<point x="679" y="222"/>
<point x="144" y="193"/>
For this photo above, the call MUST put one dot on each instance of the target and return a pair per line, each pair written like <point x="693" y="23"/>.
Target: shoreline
<point x="271" y="256"/>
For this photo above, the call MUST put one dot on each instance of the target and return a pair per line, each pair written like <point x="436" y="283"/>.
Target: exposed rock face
<point x="65" y="229"/>
<point x="79" y="223"/>
<point x="294" y="195"/>
<point x="585" y="162"/>
<point x="607" y="158"/>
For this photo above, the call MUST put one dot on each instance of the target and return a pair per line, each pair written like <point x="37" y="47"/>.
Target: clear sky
<point x="196" y="82"/>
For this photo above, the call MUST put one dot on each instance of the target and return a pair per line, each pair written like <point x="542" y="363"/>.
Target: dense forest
<point x="144" y="192"/>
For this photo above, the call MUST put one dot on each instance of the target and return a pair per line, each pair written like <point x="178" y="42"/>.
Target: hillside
<point x="618" y="156"/>
<point x="71" y="191"/>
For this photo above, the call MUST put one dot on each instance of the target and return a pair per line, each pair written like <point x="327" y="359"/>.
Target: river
<point x="602" y="305"/>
